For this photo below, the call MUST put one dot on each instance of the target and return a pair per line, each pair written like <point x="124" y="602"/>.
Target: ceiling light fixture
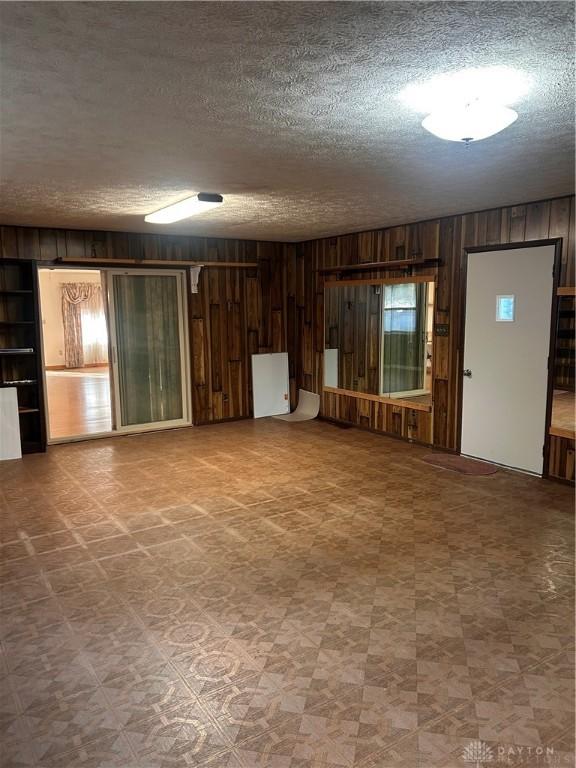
<point x="468" y="105"/>
<point x="191" y="206"/>
<point x="472" y="122"/>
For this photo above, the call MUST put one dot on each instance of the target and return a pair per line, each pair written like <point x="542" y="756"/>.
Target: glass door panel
<point x="149" y="348"/>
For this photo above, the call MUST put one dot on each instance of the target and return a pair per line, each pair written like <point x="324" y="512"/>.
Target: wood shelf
<point x="5" y="384"/>
<point x="20" y="360"/>
<point x="119" y="263"/>
<point x="379" y="266"/>
<point x="395" y="401"/>
<point x="565" y="351"/>
<point x="16" y="322"/>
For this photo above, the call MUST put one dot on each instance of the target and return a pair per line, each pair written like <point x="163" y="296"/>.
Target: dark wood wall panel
<point x="379" y="417"/>
<point x="236" y="313"/>
<point x="446" y="240"/>
<point x="562" y="453"/>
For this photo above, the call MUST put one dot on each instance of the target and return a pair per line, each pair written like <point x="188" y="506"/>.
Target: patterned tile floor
<point x="262" y="594"/>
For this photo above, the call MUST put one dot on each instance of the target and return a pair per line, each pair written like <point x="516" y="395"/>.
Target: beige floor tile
<point x="258" y="595"/>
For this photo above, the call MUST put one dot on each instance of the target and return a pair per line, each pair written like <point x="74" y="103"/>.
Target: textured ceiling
<point x="290" y="110"/>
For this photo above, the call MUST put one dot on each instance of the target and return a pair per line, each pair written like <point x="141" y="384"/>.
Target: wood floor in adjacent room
<point x="263" y="594"/>
<point x="563" y="414"/>
<point x="78" y="401"/>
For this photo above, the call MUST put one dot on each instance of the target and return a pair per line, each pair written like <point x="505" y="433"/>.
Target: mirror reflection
<point x="378" y="338"/>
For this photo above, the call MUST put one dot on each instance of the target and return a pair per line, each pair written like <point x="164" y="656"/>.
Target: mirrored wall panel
<point x="378" y="338"/>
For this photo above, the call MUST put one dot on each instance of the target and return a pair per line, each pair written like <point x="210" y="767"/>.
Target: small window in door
<point x="505" y="308"/>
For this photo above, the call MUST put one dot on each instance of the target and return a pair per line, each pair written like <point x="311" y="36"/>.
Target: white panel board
<point x="270" y="384"/>
<point x="331" y="368"/>
<point x="9" y="425"/>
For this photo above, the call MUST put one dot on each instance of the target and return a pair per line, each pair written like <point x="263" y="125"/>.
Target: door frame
<point x="103" y="269"/>
<point x="182" y="284"/>
<point x="557" y="243"/>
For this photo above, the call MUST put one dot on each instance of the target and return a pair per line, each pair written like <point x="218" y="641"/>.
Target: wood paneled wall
<point x="235" y="314"/>
<point x="279" y="306"/>
<point x="445" y="239"/>
<point x="237" y="311"/>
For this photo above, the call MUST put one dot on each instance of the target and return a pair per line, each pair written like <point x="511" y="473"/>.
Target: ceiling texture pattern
<point x="290" y="110"/>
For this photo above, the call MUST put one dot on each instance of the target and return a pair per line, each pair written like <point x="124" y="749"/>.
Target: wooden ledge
<point x="380" y="266"/>
<point x="96" y="262"/>
<point x="569" y="434"/>
<point x="399" y="402"/>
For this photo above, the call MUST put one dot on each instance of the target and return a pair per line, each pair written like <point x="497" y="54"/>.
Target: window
<point x="505" y="309"/>
<point x="400" y="308"/>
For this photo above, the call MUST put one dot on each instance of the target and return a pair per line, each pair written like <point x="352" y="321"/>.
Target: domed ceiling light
<point x="472" y="122"/>
<point x="469" y="105"/>
<point x="190" y="206"/>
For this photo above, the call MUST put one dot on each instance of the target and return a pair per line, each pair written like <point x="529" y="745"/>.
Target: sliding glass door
<point x="149" y="343"/>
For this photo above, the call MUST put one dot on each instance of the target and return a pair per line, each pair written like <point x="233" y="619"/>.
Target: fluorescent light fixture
<point x="191" y="206"/>
<point x="498" y="85"/>
<point x="471" y="122"/>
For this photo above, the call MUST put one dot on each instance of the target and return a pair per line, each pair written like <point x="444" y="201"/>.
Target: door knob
<point x="467" y="372"/>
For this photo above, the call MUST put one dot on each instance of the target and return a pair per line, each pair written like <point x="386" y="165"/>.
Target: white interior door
<point x="507" y="337"/>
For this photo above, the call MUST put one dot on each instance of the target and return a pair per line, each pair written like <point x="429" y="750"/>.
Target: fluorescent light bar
<point x="191" y="206"/>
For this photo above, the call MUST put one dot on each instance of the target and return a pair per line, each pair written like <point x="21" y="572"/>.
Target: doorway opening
<point x="76" y="358"/>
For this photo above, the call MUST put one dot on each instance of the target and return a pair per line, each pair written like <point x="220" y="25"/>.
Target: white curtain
<point x="94" y="332"/>
<point x="85" y="334"/>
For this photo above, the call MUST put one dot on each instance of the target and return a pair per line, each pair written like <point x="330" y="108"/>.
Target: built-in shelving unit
<point x="20" y="357"/>
<point x="565" y="347"/>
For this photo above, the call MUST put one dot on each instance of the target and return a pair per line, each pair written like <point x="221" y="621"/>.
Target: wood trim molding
<point x="380" y="266"/>
<point x="156" y="263"/>
<point x="103" y="364"/>
<point x="381" y="281"/>
<point x="380" y="399"/>
<point x="570" y="434"/>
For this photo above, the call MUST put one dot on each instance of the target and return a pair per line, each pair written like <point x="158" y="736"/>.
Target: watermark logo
<point x="478" y="754"/>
